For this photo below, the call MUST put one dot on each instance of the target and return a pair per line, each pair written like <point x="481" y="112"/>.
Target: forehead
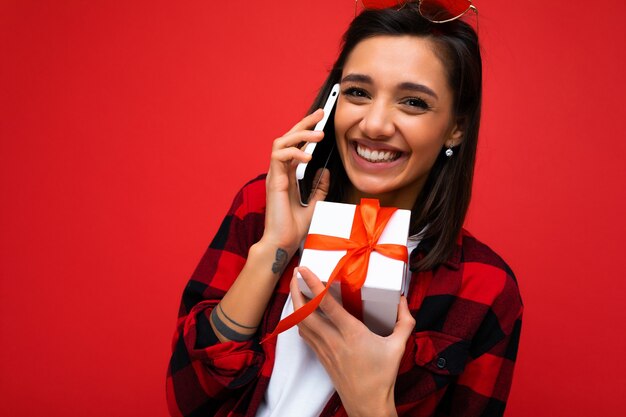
<point x="397" y="59"/>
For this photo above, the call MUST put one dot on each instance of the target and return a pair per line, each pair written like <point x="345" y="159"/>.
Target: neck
<point x="401" y="199"/>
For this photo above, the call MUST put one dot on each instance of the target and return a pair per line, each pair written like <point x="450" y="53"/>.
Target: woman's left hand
<point x="362" y="365"/>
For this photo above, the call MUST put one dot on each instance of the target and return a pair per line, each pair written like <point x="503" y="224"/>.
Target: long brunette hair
<point x="444" y="199"/>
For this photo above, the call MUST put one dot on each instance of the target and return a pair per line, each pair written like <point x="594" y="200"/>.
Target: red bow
<point x="369" y="222"/>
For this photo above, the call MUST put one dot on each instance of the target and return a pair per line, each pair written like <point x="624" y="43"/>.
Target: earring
<point x="449" y="151"/>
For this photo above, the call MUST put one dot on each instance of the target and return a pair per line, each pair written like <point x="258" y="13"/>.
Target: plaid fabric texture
<point x="458" y="362"/>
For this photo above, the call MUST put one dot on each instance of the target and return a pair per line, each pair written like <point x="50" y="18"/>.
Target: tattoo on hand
<point x="280" y="262"/>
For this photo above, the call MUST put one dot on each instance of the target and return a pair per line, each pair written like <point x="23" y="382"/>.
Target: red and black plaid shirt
<point x="458" y="362"/>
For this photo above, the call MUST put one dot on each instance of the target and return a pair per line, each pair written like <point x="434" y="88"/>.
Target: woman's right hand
<point x="286" y="223"/>
<point x="286" y="220"/>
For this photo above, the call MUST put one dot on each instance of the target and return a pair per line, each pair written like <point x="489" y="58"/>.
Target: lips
<point x="376" y="155"/>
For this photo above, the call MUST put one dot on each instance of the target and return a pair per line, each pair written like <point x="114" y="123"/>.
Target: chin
<point x="375" y="188"/>
<point x="390" y="191"/>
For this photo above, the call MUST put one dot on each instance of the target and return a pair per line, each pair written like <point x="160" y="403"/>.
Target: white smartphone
<point x="310" y="146"/>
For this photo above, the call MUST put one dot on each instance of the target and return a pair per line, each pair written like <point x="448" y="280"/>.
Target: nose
<point x="377" y="122"/>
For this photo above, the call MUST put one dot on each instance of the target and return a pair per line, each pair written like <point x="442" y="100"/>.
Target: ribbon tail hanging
<point x="308" y="308"/>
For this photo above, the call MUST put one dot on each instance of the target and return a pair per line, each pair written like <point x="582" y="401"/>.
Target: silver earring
<point x="449" y="152"/>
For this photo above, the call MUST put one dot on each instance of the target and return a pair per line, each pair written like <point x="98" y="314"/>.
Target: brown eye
<point x="355" y="92"/>
<point x="417" y="102"/>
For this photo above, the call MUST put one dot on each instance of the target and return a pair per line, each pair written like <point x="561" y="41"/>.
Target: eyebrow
<point x="366" y="79"/>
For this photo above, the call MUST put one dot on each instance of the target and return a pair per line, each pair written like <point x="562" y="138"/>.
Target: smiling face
<point x="393" y="118"/>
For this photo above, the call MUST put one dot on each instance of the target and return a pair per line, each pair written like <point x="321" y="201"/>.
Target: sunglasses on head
<point x="436" y="11"/>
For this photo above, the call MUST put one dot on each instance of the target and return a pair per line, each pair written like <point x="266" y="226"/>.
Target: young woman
<point x="405" y="131"/>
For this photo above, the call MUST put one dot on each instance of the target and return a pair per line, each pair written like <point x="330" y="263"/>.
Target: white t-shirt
<point x="299" y="385"/>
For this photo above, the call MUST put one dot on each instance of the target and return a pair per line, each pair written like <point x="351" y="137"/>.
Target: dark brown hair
<point x="444" y="199"/>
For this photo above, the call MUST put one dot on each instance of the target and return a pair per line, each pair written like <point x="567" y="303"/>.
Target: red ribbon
<point x="369" y="222"/>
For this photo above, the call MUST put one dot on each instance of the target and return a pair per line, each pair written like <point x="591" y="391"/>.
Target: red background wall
<point x="127" y="127"/>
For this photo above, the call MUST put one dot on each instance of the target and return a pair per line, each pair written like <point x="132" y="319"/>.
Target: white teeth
<point x="376" y="156"/>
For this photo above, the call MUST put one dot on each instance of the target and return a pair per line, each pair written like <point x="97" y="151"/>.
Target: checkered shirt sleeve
<point x="204" y="376"/>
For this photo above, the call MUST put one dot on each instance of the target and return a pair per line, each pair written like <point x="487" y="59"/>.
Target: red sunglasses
<point x="436" y="11"/>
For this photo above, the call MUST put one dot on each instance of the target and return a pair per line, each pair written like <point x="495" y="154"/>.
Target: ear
<point x="457" y="133"/>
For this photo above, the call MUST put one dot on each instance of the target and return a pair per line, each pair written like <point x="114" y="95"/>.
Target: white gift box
<point x="386" y="278"/>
